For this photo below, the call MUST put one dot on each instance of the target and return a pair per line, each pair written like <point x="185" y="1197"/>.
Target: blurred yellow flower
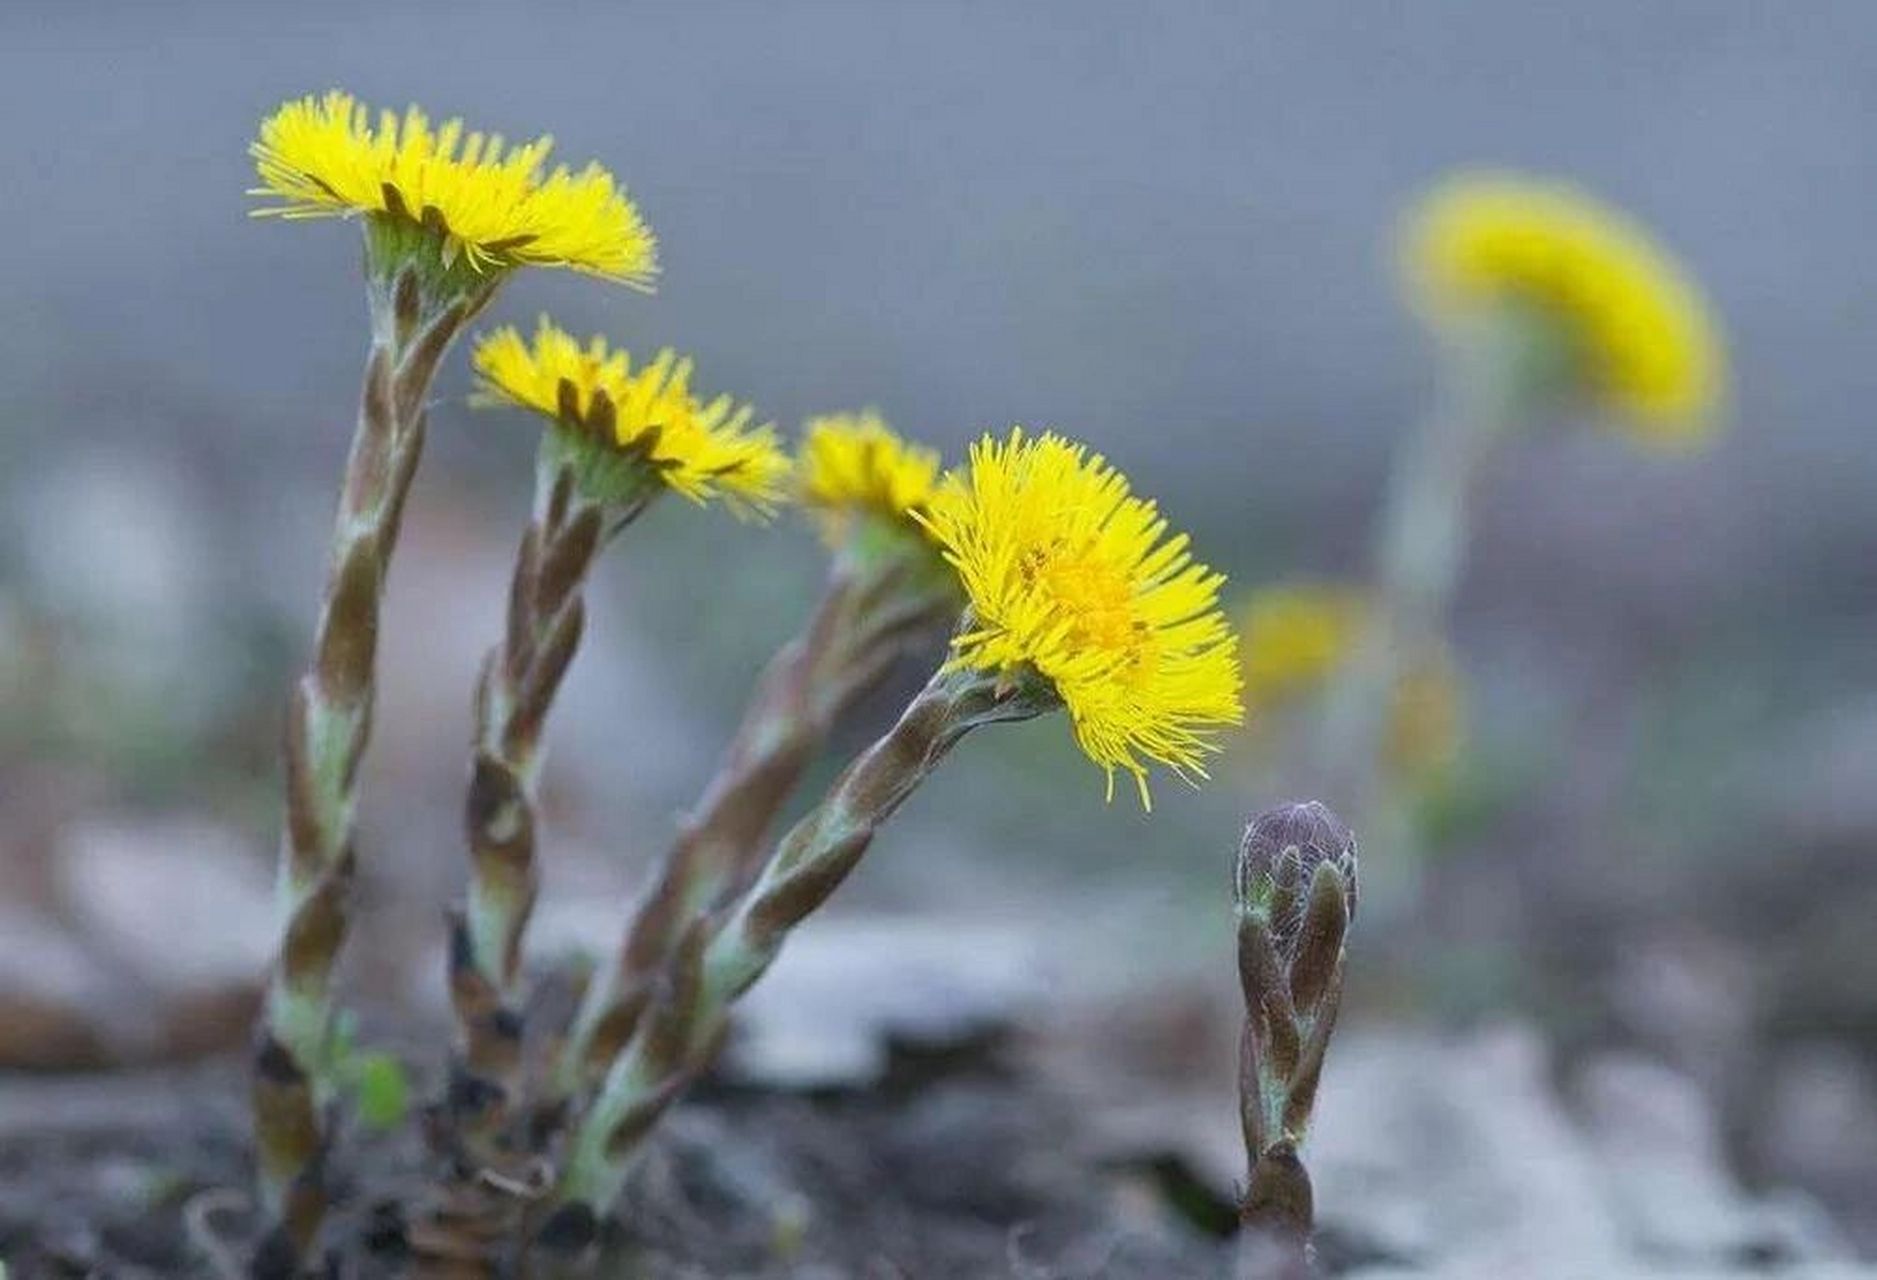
<point x="854" y="464"/>
<point x="1297" y="637"/>
<point x="322" y="157"/>
<point x="1644" y="336"/>
<point x="1427" y="721"/>
<point x="699" y="449"/>
<point x="1071" y="576"/>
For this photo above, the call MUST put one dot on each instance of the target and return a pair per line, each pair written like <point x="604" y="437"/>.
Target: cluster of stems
<point x="719" y="954"/>
<point x="877" y="602"/>
<point x="1294" y="892"/>
<point x="499" y="1120"/>
<point x="420" y="300"/>
<point x="539" y="1125"/>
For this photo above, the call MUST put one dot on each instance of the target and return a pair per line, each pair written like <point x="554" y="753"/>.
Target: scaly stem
<point x="718" y="958"/>
<point x="419" y="302"/>
<point x="519" y="680"/>
<point x="869" y="612"/>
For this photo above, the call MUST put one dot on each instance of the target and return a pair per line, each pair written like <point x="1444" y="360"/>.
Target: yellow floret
<point x="1072" y="576"/>
<point x="853" y="464"/>
<point x="497" y="204"/>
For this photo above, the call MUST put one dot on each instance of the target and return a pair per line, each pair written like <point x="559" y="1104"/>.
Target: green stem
<point x="418" y="305"/>
<point x="1503" y="369"/>
<point x="716" y="961"/>
<point x="520" y="680"/>
<point x="872" y="607"/>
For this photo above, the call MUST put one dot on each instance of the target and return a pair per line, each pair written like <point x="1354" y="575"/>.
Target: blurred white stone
<point x="1456" y="1153"/>
<point x="845" y="987"/>
<point x="115" y="542"/>
<point x="58" y="1003"/>
<point x="1666" y="1176"/>
<point x="1821" y="1129"/>
<point x="185" y="907"/>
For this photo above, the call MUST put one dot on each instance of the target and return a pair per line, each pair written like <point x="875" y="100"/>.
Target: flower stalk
<point x="878" y="601"/>
<point x="719" y="956"/>
<point x="1294" y="894"/>
<point x="420" y="298"/>
<point x="519" y="680"/>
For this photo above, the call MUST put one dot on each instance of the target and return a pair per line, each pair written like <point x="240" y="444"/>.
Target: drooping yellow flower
<point x="1644" y="337"/>
<point x="499" y="205"/>
<point x="1070" y="575"/>
<point x="701" y="449"/>
<point x="853" y="464"/>
<point x="1295" y="637"/>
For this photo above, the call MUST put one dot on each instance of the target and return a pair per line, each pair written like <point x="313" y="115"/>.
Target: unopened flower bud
<point x="1294" y="887"/>
<point x="1278" y="862"/>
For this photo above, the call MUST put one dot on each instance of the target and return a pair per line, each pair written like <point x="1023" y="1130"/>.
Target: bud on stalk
<point x="1294" y="892"/>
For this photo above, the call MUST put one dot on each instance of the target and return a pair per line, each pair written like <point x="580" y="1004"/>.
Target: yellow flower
<point x="1643" y="334"/>
<point x="699" y="449"/>
<point x="1295" y="637"/>
<point x="1299" y="636"/>
<point x="1427" y="721"/>
<point x="1070" y="575"/>
<point x="497" y="204"/>
<point x="853" y="464"/>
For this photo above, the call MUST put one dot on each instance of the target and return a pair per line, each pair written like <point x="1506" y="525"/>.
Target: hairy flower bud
<point x="1294" y="889"/>
<point x="1277" y="865"/>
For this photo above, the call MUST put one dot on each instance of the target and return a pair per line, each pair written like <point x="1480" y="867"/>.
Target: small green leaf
<point x="384" y="1091"/>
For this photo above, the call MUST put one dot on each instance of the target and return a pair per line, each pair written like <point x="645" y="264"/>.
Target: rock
<point x="1666" y="1177"/>
<point x="57" y="1000"/>
<point x="845" y="988"/>
<point x="1456" y="1154"/>
<point x="1819" y="1130"/>
<point x="184" y="911"/>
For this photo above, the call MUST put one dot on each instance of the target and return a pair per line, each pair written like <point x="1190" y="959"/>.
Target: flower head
<point x="496" y="204"/>
<point x="1642" y="337"/>
<point x="1295" y="637"/>
<point x="1299" y="636"/>
<point x="1427" y="722"/>
<point x="646" y="415"/>
<point x="854" y="465"/>
<point x="1069" y="575"/>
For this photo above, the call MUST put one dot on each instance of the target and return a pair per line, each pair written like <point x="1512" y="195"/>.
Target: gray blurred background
<point x="1164" y="229"/>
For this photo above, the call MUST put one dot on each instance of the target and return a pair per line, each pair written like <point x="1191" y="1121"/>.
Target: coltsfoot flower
<point x="1069" y="575"/>
<point x="635" y="427"/>
<point x="1642" y="336"/>
<point x="1298" y="637"/>
<point x="1077" y="599"/>
<point x="498" y="205"/>
<point x="853" y="465"/>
